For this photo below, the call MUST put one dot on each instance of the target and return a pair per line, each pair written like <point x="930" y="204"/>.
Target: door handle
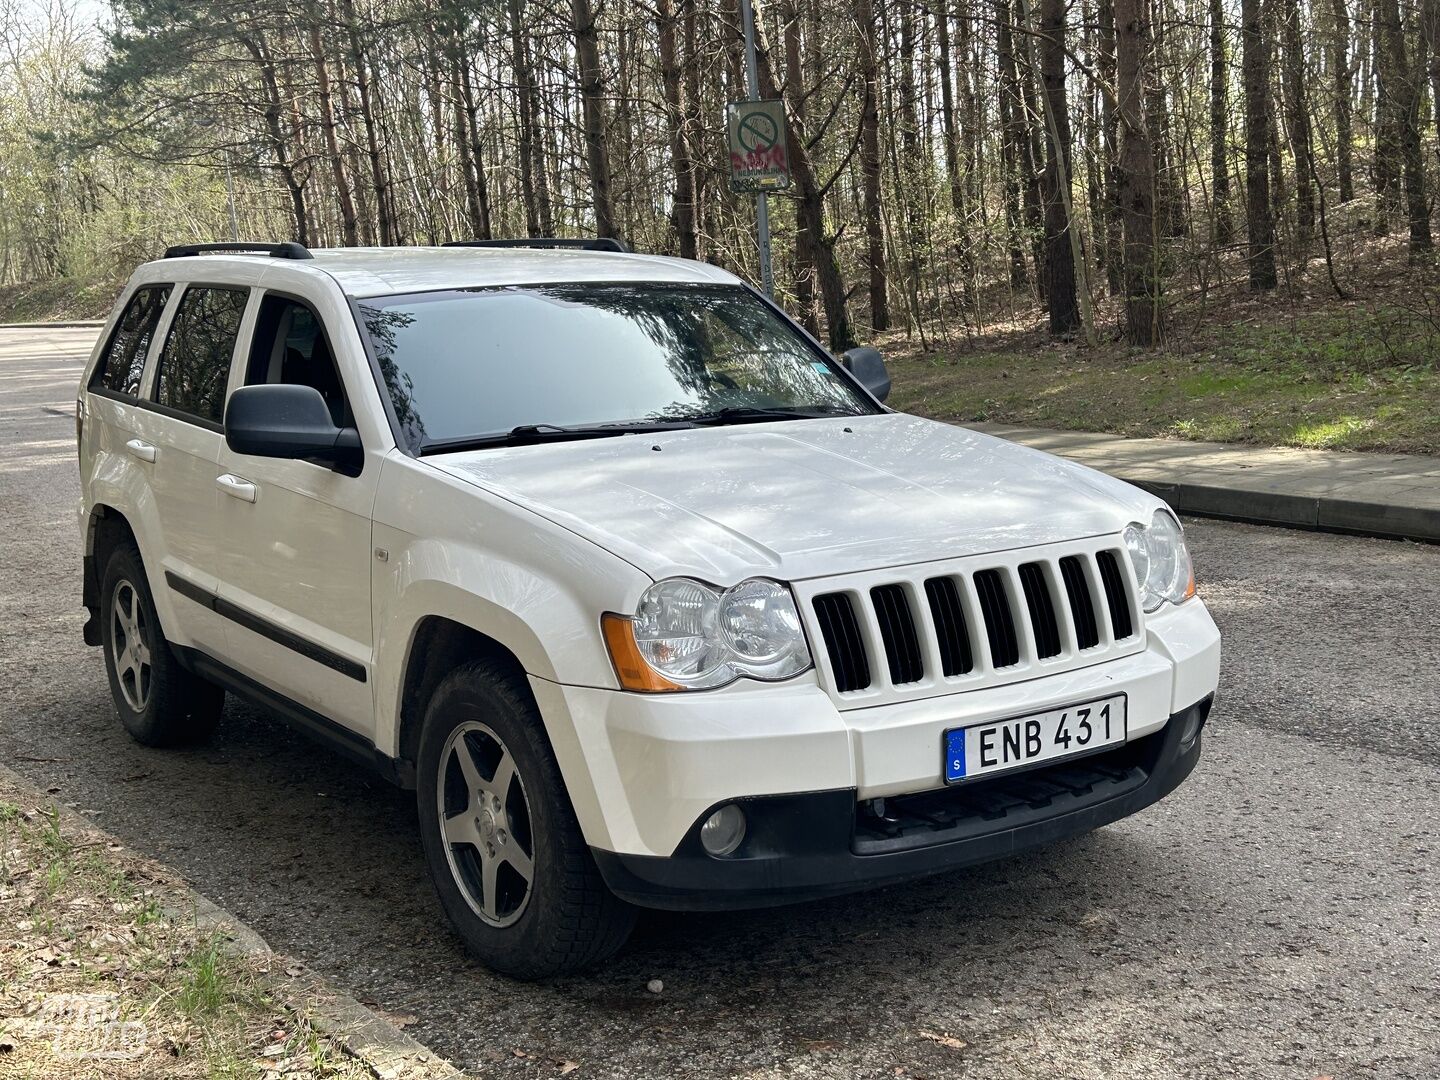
<point x="236" y="486"/>
<point x="142" y="450"/>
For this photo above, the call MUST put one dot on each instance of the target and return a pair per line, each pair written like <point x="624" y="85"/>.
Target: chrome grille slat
<point x="976" y="622"/>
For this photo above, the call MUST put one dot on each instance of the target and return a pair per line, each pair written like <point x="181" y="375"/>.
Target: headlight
<point x="695" y="636"/>
<point x="1161" y="561"/>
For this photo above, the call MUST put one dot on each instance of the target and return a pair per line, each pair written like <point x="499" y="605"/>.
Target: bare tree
<point x="1259" y="219"/>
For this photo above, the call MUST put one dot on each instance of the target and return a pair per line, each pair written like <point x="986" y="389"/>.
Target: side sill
<point x="305" y="720"/>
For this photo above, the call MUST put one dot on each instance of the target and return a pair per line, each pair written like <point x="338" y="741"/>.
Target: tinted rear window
<point x="123" y="364"/>
<point x="195" y="363"/>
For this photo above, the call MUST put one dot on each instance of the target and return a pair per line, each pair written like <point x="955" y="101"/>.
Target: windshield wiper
<point x="524" y="434"/>
<point x="754" y="414"/>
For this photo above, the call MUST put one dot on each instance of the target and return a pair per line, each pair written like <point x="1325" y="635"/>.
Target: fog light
<point x="723" y="830"/>
<point x="1191" y="729"/>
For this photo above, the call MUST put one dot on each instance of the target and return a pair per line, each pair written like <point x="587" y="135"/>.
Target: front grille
<point x="1082" y="607"/>
<point x="999" y="623"/>
<point x="1042" y="610"/>
<point x="976" y="624"/>
<point x="1115" y="598"/>
<point x="841" y="632"/>
<point x="897" y="633"/>
<point x="951" y="632"/>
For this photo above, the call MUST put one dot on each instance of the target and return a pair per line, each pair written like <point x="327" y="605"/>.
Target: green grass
<point x="101" y="920"/>
<point x="1356" y="379"/>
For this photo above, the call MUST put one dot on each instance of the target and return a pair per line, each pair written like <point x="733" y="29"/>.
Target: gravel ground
<point x="1277" y="917"/>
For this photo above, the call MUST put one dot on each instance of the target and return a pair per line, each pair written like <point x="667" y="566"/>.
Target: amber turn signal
<point x="630" y="667"/>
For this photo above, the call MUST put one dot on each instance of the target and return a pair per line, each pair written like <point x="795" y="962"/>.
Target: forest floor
<point x="103" y="973"/>
<point x="1301" y="367"/>
<point x="62" y="300"/>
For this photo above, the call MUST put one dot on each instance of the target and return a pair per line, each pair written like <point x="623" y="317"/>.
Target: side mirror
<point x="866" y="365"/>
<point x="282" y="420"/>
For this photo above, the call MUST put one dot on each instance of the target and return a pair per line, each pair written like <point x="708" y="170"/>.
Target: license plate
<point x="1027" y="740"/>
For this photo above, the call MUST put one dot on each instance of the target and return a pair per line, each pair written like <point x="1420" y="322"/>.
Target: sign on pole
<point x="759" y="156"/>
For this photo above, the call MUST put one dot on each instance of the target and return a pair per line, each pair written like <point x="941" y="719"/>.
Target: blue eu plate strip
<point x="955" y="754"/>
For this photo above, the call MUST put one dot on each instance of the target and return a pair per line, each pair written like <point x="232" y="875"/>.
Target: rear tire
<point x="158" y="701"/>
<point x="506" y="854"/>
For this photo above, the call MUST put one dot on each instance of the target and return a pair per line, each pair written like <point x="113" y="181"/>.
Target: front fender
<point x="496" y="568"/>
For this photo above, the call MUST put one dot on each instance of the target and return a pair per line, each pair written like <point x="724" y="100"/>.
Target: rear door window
<point x="123" y="364"/>
<point x="195" y="363"/>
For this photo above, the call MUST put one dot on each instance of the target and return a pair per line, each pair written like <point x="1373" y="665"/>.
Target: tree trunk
<point x="1111" y="217"/>
<point x="912" y="171"/>
<point x="485" y="227"/>
<point x="378" y="178"/>
<point x="1059" y="255"/>
<point x="592" y="100"/>
<point x="795" y="85"/>
<point x="1034" y="153"/>
<point x="1386" y="168"/>
<point x="950" y="134"/>
<point x="534" y="185"/>
<point x="1136" y="169"/>
<point x="460" y="133"/>
<point x="296" y="188"/>
<point x="1430" y="34"/>
<point x="833" y="295"/>
<point x="332" y="141"/>
<point x="1012" y="141"/>
<point x="683" y="168"/>
<point x="870" y="166"/>
<point x="1220" y="128"/>
<point x="1297" y="121"/>
<point x="1406" y="92"/>
<point x="1260" y="224"/>
<point x="694" y="143"/>
<point x="1340" y="72"/>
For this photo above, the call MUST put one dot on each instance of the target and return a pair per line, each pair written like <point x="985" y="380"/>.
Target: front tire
<point x="509" y="863"/>
<point x="158" y="701"/>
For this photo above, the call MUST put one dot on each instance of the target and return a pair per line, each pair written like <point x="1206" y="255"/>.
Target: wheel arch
<point x="438" y="644"/>
<point x="105" y="527"/>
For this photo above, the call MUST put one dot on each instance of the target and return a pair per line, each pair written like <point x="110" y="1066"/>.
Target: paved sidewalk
<point x="1392" y="495"/>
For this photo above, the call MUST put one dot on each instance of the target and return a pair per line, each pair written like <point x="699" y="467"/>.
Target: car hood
<point x="803" y="498"/>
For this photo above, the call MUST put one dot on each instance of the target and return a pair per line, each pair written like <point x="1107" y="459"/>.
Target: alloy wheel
<point x="130" y="645"/>
<point x="485" y="824"/>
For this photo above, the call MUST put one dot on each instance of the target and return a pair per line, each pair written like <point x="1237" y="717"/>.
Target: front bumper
<point x="813" y="845"/>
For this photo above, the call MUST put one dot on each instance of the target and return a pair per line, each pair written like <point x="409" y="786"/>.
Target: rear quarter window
<point x="195" y="363"/>
<point x="123" y="363"/>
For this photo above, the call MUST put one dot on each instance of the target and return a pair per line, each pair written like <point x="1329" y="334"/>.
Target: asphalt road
<point x="1275" y="917"/>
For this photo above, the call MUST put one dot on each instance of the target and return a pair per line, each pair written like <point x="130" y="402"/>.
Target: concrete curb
<point x="1316" y="513"/>
<point x="1266" y="492"/>
<point x="386" y="1051"/>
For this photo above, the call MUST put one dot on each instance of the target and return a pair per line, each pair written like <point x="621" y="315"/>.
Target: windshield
<point x="473" y="365"/>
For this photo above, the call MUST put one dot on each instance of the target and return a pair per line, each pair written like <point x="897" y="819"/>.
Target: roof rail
<point x="278" y="251"/>
<point x="598" y="243"/>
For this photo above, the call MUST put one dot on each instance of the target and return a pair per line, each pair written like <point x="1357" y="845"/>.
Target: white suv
<point x="644" y="593"/>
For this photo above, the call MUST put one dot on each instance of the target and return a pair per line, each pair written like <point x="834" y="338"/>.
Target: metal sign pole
<point x="762" y="207"/>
